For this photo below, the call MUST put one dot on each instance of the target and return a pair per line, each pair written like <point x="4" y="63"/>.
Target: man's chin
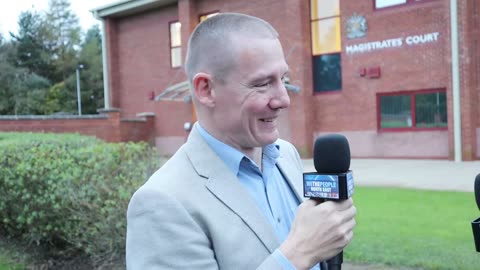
<point x="271" y="138"/>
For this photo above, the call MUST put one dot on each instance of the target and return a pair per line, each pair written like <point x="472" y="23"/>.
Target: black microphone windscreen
<point x="331" y="154"/>
<point x="477" y="190"/>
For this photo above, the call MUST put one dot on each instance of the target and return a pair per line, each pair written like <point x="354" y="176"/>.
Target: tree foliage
<point x="63" y="37"/>
<point x="7" y="76"/>
<point x="30" y="42"/>
<point x="37" y="65"/>
<point x="92" y="74"/>
<point x="29" y="92"/>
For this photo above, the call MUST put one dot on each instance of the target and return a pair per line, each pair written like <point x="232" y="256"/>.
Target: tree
<point x="7" y="75"/>
<point x="30" y="42"/>
<point x="21" y="91"/>
<point x="63" y="37"/>
<point x="92" y="73"/>
<point x="29" y="91"/>
<point x="62" y="40"/>
<point x="59" y="99"/>
<point x="37" y="68"/>
<point x="29" y="81"/>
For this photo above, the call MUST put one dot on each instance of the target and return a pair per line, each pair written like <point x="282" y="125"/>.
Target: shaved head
<point x="212" y="47"/>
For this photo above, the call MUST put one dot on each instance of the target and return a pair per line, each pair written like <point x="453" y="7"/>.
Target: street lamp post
<point x="79" y="98"/>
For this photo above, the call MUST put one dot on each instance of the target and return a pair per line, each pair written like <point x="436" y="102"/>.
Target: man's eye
<point x="263" y="85"/>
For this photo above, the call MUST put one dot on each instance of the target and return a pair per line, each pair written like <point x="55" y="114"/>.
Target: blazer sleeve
<point x="161" y="234"/>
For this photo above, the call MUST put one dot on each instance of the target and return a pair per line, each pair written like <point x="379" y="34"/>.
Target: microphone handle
<point x="335" y="263"/>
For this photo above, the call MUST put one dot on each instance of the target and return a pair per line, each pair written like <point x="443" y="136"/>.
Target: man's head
<point x="235" y="65"/>
<point x="211" y="47"/>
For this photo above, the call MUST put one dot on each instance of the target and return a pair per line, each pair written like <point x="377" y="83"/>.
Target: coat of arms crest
<point x="356" y="26"/>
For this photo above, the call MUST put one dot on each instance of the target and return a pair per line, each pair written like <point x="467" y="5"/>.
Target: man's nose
<point x="280" y="99"/>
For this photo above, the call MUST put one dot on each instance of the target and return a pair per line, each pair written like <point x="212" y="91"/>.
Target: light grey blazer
<point x="193" y="213"/>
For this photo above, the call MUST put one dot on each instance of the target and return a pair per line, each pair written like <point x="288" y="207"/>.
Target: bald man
<point x="230" y="197"/>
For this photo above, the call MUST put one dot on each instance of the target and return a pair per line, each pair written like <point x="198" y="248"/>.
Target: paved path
<point x="416" y="173"/>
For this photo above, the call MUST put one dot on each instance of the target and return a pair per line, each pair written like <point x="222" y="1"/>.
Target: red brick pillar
<point x="149" y="133"/>
<point x="112" y="131"/>
<point x="468" y="86"/>
<point x="299" y="59"/>
<point x="188" y="17"/>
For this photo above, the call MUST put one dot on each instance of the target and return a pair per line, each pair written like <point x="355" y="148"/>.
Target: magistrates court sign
<point x="392" y="43"/>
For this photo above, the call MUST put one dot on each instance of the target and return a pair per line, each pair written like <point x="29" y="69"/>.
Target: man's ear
<point x="203" y="89"/>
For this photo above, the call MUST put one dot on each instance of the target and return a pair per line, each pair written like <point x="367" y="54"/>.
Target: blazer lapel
<point x="292" y="176"/>
<point x="235" y="197"/>
<point x="222" y="183"/>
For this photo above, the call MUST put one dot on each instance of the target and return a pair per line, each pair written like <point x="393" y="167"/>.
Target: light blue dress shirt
<point x="268" y="187"/>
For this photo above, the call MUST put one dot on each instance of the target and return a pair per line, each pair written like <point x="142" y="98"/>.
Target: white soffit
<point x="128" y="7"/>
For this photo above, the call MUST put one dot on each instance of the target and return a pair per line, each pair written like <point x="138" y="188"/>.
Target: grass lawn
<point x="414" y="228"/>
<point x="11" y="255"/>
<point x="427" y="230"/>
<point x="5" y="265"/>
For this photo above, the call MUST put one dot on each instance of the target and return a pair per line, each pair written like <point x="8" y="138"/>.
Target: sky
<point x="10" y="10"/>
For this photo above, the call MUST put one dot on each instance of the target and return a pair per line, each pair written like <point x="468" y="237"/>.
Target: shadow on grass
<point x="16" y="255"/>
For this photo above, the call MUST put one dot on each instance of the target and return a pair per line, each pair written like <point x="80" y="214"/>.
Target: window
<point x="326" y="45"/>
<point x="328" y="74"/>
<point x="208" y="15"/>
<point x="390" y="3"/>
<point x="413" y="110"/>
<point x="175" y="45"/>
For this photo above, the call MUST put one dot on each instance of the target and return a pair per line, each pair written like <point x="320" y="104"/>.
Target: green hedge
<point x="69" y="193"/>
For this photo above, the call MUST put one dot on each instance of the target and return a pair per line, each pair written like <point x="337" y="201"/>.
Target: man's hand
<point x="319" y="232"/>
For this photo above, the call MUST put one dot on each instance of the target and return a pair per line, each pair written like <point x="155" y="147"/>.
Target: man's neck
<point x="256" y="155"/>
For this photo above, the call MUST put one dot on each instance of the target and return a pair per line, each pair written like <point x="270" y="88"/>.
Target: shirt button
<point x="279" y="220"/>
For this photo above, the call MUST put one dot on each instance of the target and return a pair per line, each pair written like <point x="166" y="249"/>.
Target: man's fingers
<point x="350" y="212"/>
<point x="311" y="203"/>
<point x="344" y="205"/>
<point x="338" y="205"/>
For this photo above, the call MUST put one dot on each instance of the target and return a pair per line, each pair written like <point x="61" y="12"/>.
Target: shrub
<point x="69" y="193"/>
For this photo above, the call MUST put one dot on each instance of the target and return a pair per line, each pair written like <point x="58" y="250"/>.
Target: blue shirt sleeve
<point x="286" y="264"/>
<point x="282" y="260"/>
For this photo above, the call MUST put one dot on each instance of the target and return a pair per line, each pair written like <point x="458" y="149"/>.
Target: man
<point x="228" y="198"/>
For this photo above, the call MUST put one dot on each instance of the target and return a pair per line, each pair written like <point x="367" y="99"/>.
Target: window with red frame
<point x="390" y="3"/>
<point x="412" y="110"/>
<point x="175" y="44"/>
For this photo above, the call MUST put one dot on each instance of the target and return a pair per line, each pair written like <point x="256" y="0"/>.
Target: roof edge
<point x="127" y="7"/>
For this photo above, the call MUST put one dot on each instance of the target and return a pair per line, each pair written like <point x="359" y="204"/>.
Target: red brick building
<point x="399" y="78"/>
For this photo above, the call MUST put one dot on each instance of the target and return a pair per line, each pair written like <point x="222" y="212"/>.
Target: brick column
<point x="298" y="54"/>
<point x="112" y="61"/>
<point x="150" y="132"/>
<point x="468" y="74"/>
<point x="188" y="17"/>
<point x="113" y="132"/>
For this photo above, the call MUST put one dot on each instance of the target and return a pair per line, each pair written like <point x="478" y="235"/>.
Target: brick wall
<point x="140" y="45"/>
<point x="353" y="110"/>
<point x="108" y="126"/>
<point x="142" y="68"/>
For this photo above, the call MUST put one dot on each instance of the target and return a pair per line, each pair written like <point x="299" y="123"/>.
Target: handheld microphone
<point x="476" y="223"/>
<point x="333" y="179"/>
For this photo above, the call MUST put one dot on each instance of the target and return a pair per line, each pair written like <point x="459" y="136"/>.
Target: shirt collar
<point x="233" y="157"/>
